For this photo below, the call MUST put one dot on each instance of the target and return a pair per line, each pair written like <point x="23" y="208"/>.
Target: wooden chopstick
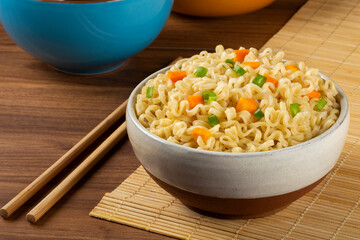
<point x="55" y="195"/>
<point x="41" y="208"/>
<point x="61" y="163"/>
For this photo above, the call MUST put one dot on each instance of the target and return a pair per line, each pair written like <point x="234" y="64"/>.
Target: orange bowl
<point x="216" y="8"/>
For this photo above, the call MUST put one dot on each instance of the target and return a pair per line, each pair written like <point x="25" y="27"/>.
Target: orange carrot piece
<point x="254" y="65"/>
<point x="175" y="76"/>
<point x="292" y="67"/>
<point x="272" y="80"/>
<point x="194" y="100"/>
<point x="314" y="94"/>
<point x="204" y="133"/>
<point x="247" y="104"/>
<point x="241" y="54"/>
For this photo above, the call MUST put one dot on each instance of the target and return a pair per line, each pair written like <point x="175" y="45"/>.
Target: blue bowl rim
<point x="79" y="3"/>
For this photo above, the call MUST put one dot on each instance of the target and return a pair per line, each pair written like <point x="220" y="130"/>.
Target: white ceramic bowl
<point x="243" y="184"/>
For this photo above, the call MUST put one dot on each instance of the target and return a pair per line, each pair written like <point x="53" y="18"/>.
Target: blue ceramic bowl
<point x="84" y="38"/>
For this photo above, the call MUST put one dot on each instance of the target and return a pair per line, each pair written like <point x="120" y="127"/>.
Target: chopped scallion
<point x="239" y="70"/>
<point x="259" y="114"/>
<point x="209" y="96"/>
<point x="230" y="62"/>
<point x="213" y="120"/>
<point x="259" y="80"/>
<point x="149" y="92"/>
<point x="200" y="71"/>
<point x="321" y="104"/>
<point x="294" y="107"/>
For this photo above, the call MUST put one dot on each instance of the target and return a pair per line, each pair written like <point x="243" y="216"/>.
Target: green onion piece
<point x="259" y="114"/>
<point x="200" y="71"/>
<point x="230" y="61"/>
<point x="239" y="70"/>
<point x="209" y="96"/>
<point x="294" y="109"/>
<point x="321" y="104"/>
<point x="149" y="92"/>
<point x="259" y="80"/>
<point x="213" y="120"/>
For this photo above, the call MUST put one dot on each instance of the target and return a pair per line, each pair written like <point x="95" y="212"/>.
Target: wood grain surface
<point x="43" y="113"/>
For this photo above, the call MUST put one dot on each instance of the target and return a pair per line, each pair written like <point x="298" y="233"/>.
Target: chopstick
<point x="29" y="191"/>
<point x="55" y="195"/>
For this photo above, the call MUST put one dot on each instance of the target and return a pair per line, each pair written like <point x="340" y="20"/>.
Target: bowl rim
<point x="130" y="109"/>
<point x="74" y="2"/>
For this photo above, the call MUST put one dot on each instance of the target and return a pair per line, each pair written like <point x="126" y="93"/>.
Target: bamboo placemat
<point x="325" y="34"/>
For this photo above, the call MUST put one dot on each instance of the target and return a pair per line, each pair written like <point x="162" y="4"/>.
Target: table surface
<point x="43" y="113"/>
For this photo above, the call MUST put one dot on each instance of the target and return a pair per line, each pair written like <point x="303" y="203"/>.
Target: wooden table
<point x="43" y="113"/>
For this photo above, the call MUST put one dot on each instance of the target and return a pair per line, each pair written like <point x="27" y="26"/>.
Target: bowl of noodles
<point x="238" y="132"/>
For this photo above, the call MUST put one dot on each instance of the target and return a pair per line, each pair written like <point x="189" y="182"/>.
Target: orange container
<point x="217" y="8"/>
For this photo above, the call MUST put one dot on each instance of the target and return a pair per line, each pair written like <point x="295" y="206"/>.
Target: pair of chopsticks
<point x="59" y="191"/>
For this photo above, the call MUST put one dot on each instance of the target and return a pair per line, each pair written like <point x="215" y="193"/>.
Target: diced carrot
<point x="175" y="76"/>
<point x="204" y="133"/>
<point x="254" y="65"/>
<point x="194" y="100"/>
<point x="241" y="54"/>
<point x="272" y="80"/>
<point x="292" y="67"/>
<point x="247" y="104"/>
<point x="314" y="94"/>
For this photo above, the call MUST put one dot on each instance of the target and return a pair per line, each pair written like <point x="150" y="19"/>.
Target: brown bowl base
<point x="232" y="216"/>
<point x="234" y="208"/>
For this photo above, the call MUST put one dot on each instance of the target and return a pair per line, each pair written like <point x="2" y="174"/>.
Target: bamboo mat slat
<point x="326" y="35"/>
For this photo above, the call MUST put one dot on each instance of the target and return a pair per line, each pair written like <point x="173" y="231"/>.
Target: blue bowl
<point x="84" y="38"/>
